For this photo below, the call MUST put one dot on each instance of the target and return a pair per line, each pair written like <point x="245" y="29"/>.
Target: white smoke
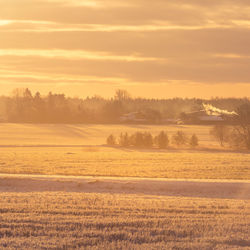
<point x="211" y="110"/>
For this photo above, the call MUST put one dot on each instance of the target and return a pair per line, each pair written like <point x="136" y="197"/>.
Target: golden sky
<point x="160" y="48"/>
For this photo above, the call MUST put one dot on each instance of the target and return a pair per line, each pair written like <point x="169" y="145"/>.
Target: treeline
<point x="25" y="106"/>
<point x="146" y="140"/>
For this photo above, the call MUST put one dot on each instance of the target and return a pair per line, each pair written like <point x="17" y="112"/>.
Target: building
<point x="204" y="117"/>
<point x="209" y="115"/>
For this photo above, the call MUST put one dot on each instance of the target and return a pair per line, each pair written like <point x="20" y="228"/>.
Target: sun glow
<point x="5" y="22"/>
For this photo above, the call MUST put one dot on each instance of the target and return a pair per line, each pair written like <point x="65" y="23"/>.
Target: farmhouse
<point x="199" y="117"/>
<point x="208" y="115"/>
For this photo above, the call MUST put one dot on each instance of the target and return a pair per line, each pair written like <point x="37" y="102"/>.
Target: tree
<point x="147" y="140"/>
<point x="122" y="95"/>
<point x="111" y="140"/>
<point x="124" y="140"/>
<point x="220" y="133"/>
<point x="142" y="140"/>
<point x="179" y="138"/>
<point x="240" y="136"/>
<point x="22" y="108"/>
<point x="112" y="111"/>
<point x="162" y="140"/>
<point x="137" y="139"/>
<point x="22" y="93"/>
<point x="27" y="94"/>
<point x="194" y="142"/>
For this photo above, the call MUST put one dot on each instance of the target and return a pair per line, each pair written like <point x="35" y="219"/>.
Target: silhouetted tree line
<point x="24" y="106"/>
<point x="146" y="140"/>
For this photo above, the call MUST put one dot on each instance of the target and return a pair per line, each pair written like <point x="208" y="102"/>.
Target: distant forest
<point x="23" y="106"/>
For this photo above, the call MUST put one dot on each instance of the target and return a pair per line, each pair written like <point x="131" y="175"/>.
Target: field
<point x="65" y="134"/>
<point x="62" y="220"/>
<point x="76" y="150"/>
<point x="102" y="161"/>
<point x="61" y="188"/>
<point x="41" y="212"/>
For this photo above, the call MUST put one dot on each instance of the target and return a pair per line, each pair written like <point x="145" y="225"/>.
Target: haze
<point x="155" y="49"/>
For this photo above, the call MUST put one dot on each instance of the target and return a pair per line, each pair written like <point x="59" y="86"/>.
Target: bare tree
<point x="241" y="133"/>
<point x="220" y="133"/>
<point x="122" y="95"/>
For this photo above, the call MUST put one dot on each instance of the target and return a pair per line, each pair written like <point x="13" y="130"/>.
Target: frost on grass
<point x="111" y="221"/>
<point x="101" y="161"/>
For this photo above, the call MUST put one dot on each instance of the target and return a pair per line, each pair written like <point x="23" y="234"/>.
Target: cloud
<point x="157" y="44"/>
<point x="36" y="77"/>
<point x="84" y="3"/>
<point x="208" y="70"/>
<point x="135" y="42"/>
<point x="74" y="55"/>
<point x="48" y="27"/>
<point x="136" y="12"/>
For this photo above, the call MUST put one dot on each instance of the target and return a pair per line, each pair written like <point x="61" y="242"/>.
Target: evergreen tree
<point x="124" y="140"/>
<point x="111" y="140"/>
<point x="179" y="138"/>
<point x="194" y="142"/>
<point x="162" y="140"/>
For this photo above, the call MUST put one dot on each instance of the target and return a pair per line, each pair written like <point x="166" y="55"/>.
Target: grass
<point x="55" y="220"/>
<point x="102" y="161"/>
<point x="111" y="219"/>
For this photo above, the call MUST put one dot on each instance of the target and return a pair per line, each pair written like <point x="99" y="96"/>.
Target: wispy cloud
<point x="74" y="55"/>
<point x="232" y="56"/>
<point x="85" y="3"/>
<point x="16" y="76"/>
<point x="35" y="22"/>
<point x="92" y="3"/>
<point x="47" y="26"/>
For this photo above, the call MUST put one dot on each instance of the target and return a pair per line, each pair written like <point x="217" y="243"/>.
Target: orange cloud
<point x="155" y="46"/>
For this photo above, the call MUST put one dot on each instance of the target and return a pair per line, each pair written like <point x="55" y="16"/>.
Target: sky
<point x="155" y="49"/>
